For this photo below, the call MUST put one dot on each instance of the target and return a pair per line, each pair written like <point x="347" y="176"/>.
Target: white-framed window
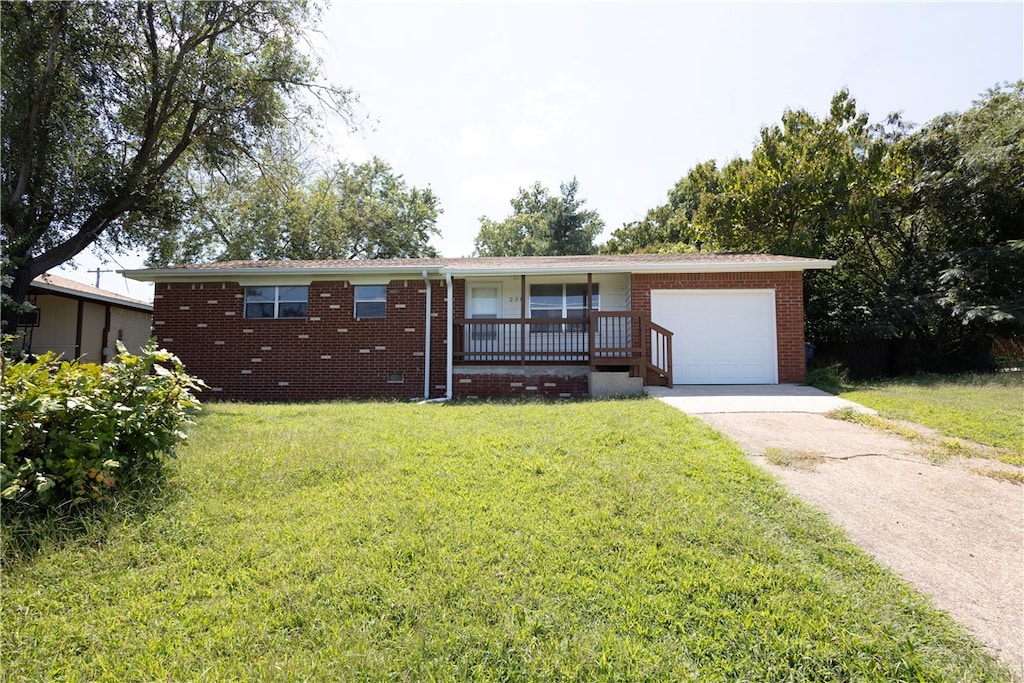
<point x="371" y="301"/>
<point x="561" y="301"/>
<point x="276" y="302"/>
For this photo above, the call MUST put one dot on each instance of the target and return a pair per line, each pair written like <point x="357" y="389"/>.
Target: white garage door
<point x="719" y="336"/>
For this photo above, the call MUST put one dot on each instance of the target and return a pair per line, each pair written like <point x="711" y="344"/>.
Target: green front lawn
<point x="987" y="409"/>
<point x="605" y="540"/>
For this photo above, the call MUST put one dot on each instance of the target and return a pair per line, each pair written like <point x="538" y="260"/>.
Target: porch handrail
<point x="659" y="356"/>
<point x="521" y="340"/>
<point x="604" y="338"/>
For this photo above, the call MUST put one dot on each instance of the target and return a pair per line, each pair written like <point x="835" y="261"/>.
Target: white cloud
<point x="493" y="191"/>
<point x="528" y="137"/>
<point x="563" y="84"/>
<point x="474" y="140"/>
<point x="338" y="142"/>
<point x="540" y="107"/>
<point x="544" y="114"/>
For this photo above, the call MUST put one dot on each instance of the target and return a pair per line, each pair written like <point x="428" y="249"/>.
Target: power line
<point x="98" y="271"/>
<point x="117" y="263"/>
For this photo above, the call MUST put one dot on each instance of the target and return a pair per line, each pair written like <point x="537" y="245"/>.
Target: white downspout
<point x="448" y="380"/>
<point x="426" y="344"/>
<point x="451" y="329"/>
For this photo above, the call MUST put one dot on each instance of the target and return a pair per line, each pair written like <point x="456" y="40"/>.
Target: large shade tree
<point x="542" y="225"/>
<point x="926" y="225"/>
<point x="289" y="207"/>
<point x="108" y="107"/>
<point x="967" y="190"/>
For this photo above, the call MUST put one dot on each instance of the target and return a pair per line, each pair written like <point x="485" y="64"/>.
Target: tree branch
<point x="35" y="112"/>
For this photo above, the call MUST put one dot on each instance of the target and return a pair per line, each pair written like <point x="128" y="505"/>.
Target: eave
<point x="463" y="269"/>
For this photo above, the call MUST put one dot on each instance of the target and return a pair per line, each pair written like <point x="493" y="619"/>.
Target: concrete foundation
<point x="606" y="384"/>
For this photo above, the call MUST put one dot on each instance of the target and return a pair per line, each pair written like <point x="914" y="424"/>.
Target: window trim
<point x="356" y="301"/>
<point x="277" y="303"/>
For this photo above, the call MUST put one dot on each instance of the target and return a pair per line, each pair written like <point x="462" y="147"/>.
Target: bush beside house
<point x="74" y="432"/>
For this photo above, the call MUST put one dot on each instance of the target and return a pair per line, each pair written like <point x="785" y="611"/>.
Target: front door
<point x="484" y="304"/>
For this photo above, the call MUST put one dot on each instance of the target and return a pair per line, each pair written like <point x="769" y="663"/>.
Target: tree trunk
<point x="18" y="292"/>
<point x="23" y="277"/>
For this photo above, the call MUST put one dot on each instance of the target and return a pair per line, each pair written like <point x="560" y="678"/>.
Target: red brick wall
<point x="458" y="299"/>
<point x="329" y="355"/>
<point x="789" y="306"/>
<point x="552" y="385"/>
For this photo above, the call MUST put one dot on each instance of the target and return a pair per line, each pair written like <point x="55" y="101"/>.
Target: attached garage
<point x="720" y="336"/>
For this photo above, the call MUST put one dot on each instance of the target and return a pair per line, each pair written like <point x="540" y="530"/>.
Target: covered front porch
<point x="603" y="340"/>
<point x="571" y="331"/>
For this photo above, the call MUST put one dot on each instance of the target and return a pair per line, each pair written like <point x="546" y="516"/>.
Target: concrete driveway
<point x="953" y="533"/>
<point x="769" y="398"/>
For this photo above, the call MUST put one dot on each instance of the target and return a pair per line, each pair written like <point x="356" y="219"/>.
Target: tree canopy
<point x="926" y="225"/>
<point x="967" y="192"/>
<point x="542" y="225"/>
<point x="108" y="107"/>
<point x="284" y="208"/>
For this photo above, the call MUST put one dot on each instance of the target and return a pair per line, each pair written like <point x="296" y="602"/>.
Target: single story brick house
<point x="563" y="326"/>
<point x="81" y="321"/>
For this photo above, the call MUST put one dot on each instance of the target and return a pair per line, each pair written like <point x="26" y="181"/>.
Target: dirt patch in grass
<point x="788" y="457"/>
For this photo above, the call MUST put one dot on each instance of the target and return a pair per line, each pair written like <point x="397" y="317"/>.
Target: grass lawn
<point x="605" y="540"/>
<point x="987" y="409"/>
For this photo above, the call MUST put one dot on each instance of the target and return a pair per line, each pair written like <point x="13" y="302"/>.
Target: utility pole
<point x="98" y="271"/>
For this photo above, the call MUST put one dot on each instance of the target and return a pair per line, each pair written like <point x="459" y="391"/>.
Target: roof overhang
<point x="282" y="275"/>
<point x="70" y="292"/>
<point x="299" y="274"/>
<point x="748" y="267"/>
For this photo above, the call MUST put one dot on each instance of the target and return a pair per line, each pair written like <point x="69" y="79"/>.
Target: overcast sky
<point x="478" y="99"/>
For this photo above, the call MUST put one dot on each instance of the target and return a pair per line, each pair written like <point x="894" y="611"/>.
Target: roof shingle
<point x="56" y="283"/>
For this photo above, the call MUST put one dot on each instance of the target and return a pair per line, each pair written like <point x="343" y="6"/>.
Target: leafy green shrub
<point x="71" y="431"/>
<point x="831" y="378"/>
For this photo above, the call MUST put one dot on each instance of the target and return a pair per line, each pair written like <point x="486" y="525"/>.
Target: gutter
<point x="233" y="274"/>
<point x="705" y="267"/>
<point x="309" y="273"/>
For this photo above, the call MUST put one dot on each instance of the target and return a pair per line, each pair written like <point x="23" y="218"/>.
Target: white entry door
<point x="484" y="304"/>
<point x="719" y="336"/>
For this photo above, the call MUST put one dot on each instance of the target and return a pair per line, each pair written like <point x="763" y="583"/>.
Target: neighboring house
<point x="81" y="321"/>
<point x="483" y="327"/>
